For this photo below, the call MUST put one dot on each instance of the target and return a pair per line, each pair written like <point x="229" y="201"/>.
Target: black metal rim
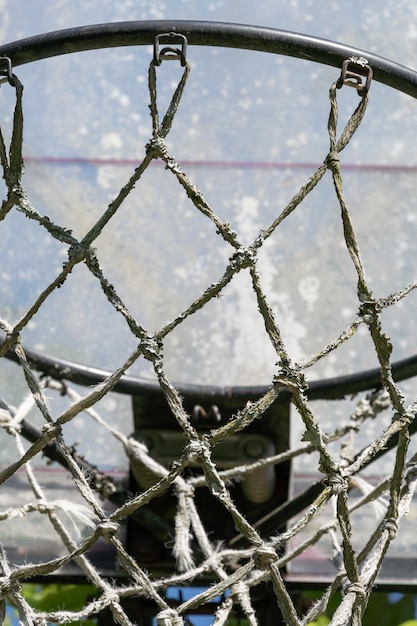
<point x="226" y="35"/>
<point x="325" y="389"/>
<point x="215" y="34"/>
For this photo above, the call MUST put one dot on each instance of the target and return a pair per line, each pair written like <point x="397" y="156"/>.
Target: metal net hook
<point x="354" y="71"/>
<point x="7" y="71"/>
<point x="169" y="53"/>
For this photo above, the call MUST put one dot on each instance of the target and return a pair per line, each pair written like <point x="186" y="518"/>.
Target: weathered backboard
<point x="251" y="129"/>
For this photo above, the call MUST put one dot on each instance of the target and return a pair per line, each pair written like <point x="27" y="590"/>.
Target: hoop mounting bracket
<point x="169" y="53"/>
<point x="354" y="71"/>
<point x="6" y="71"/>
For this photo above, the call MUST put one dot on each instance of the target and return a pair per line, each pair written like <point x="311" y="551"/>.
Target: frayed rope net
<point x="233" y="572"/>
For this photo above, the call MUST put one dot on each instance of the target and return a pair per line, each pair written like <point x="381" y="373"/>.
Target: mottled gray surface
<point x="159" y="252"/>
<point x="238" y="106"/>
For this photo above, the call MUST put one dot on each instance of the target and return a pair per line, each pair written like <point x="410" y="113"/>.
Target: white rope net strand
<point x="232" y="570"/>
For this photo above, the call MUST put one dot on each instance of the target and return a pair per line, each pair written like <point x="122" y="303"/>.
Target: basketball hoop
<point x="196" y="434"/>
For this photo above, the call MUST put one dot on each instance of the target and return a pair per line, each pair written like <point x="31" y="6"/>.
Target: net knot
<point x="332" y="161"/>
<point x="391" y="525"/>
<point x="243" y="258"/>
<point x="8" y="585"/>
<point x="265" y="556"/>
<point x="358" y="589"/>
<point x="77" y="253"/>
<point x="108" y="530"/>
<point x="50" y="432"/>
<point x="368" y="309"/>
<point x="292" y="378"/>
<point x="157" y="146"/>
<point x="337" y="483"/>
<point x="169" y="617"/>
<point x="44" y="507"/>
<point x="7" y="421"/>
<point x="151" y="348"/>
<point x="196" y="449"/>
<point x="110" y="597"/>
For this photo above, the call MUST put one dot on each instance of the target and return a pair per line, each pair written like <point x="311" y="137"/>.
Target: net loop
<point x="162" y="129"/>
<point x="12" y="162"/>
